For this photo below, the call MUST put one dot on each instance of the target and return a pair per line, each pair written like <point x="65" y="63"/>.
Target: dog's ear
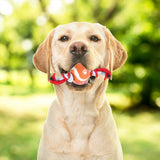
<point x="41" y="58"/>
<point x="118" y="54"/>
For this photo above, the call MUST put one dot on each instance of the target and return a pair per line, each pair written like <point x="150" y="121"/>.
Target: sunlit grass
<point x="139" y="134"/>
<point x="22" y="119"/>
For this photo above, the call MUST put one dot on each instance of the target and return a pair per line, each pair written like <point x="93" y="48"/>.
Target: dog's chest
<point x="80" y="122"/>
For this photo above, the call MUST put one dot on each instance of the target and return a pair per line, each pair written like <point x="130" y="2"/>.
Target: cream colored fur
<point x="80" y="125"/>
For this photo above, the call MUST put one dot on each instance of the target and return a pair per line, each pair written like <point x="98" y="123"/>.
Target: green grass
<point x="22" y="119"/>
<point x="140" y="134"/>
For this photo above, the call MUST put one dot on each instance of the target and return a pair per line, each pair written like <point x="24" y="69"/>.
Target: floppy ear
<point x="41" y="58"/>
<point x="118" y="54"/>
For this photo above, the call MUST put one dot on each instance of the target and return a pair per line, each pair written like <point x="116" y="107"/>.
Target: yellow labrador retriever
<point x="80" y="125"/>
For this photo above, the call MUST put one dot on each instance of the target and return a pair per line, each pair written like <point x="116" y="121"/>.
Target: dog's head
<point x="92" y="45"/>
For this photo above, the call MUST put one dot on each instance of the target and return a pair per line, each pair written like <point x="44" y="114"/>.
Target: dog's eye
<point x="64" y="38"/>
<point x="94" y="38"/>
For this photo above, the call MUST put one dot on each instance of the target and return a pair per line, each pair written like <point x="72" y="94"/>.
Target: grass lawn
<point x="22" y="118"/>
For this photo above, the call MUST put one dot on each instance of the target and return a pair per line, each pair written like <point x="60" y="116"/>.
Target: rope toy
<point x="79" y="75"/>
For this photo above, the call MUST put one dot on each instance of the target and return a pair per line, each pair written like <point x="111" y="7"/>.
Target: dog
<point x="80" y="124"/>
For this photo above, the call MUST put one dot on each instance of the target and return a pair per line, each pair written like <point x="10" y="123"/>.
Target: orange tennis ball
<point x="80" y="74"/>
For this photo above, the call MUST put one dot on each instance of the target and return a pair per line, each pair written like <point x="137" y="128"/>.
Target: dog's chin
<point x="84" y="87"/>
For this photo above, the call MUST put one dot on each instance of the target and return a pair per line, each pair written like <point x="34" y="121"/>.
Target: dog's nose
<point x="78" y="48"/>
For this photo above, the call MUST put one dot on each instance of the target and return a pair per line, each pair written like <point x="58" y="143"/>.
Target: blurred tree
<point x="135" y="23"/>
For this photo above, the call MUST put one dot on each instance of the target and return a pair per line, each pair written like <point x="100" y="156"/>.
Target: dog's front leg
<point x="59" y="156"/>
<point x="104" y="157"/>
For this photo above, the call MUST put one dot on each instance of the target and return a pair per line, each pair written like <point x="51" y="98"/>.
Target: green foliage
<point x="134" y="23"/>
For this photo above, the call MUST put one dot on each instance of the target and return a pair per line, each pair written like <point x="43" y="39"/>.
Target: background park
<point x="134" y="92"/>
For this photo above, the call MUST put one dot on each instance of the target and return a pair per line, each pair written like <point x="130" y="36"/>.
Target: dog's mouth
<point x="87" y="84"/>
<point x="63" y="71"/>
<point x="79" y="86"/>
